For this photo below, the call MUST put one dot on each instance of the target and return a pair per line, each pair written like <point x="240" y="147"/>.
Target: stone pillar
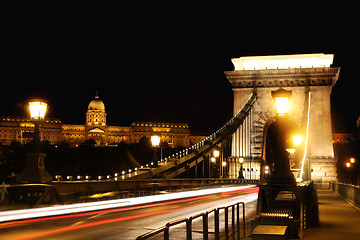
<point x="322" y="163"/>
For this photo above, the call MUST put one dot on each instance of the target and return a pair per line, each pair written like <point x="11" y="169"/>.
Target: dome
<point x="96" y="104"/>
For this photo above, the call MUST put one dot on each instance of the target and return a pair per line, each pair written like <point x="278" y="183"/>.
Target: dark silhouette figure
<point x="277" y="155"/>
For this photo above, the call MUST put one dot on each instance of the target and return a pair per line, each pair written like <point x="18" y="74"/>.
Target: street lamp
<point x="155" y="142"/>
<point x="35" y="171"/>
<point x="348" y="166"/>
<point x="281" y="98"/>
<point x="37" y="109"/>
<point x="281" y="174"/>
<point x="241" y="175"/>
<point x="297" y="139"/>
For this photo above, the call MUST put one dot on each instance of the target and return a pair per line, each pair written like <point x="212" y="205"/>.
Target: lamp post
<point x="35" y="171"/>
<point x="349" y="166"/>
<point x="216" y="154"/>
<point x="281" y="174"/>
<point x="241" y="175"/>
<point x="155" y="143"/>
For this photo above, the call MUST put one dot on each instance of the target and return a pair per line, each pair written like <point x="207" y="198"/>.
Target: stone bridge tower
<point x="310" y="78"/>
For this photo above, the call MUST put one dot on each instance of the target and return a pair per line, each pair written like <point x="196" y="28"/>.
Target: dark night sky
<point x="149" y="72"/>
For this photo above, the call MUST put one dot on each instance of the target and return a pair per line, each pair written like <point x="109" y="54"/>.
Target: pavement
<point x="338" y="219"/>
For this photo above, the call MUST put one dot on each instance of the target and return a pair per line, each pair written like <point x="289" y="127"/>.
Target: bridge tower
<point x="310" y="78"/>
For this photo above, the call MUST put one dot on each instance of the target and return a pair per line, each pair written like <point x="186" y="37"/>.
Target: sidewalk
<point x="338" y="219"/>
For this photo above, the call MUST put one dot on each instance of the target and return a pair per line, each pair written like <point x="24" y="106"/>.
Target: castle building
<point x="53" y="130"/>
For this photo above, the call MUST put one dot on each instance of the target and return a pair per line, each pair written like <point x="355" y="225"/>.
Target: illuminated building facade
<point x="20" y="129"/>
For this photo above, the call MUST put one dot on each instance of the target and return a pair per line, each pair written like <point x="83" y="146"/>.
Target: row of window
<point x="160" y="125"/>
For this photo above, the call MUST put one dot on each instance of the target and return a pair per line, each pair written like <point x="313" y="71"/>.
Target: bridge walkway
<point x="338" y="219"/>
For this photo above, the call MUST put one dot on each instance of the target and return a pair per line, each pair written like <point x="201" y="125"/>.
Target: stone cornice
<point x="292" y="77"/>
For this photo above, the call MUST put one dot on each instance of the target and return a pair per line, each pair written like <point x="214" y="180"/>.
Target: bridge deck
<point x="338" y="219"/>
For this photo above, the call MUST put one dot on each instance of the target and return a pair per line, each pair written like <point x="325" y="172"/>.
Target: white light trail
<point x="108" y="204"/>
<point x="306" y="141"/>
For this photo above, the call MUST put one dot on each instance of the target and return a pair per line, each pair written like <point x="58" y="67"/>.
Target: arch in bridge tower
<point x="310" y="78"/>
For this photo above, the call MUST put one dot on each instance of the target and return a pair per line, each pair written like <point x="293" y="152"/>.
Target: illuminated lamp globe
<point x="281" y="98"/>
<point x="155" y="140"/>
<point x="297" y="139"/>
<point x="37" y="109"/>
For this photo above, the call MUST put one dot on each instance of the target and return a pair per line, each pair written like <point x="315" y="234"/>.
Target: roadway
<point x="127" y="220"/>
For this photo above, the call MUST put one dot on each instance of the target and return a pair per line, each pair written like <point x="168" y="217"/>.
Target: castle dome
<point x="96" y="104"/>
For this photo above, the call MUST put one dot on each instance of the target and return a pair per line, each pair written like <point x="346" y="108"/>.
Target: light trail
<point x="109" y="204"/>
<point x="8" y="224"/>
<point x="91" y="224"/>
<point x="250" y="191"/>
<point x="306" y="141"/>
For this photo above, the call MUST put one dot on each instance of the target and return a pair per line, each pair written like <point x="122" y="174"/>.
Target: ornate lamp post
<point x="281" y="175"/>
<point x="35" y="171"/>
<point x="155" y="142"/>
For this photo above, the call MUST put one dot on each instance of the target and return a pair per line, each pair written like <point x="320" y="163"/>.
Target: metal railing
<point x="349" y="192"/>
<point x="235" y="223"/>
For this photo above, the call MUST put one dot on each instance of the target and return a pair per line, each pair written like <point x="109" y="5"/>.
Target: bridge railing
<point x="238" y="117"/>
<point x="350" y="193"/>
<point x="235" y="223"/>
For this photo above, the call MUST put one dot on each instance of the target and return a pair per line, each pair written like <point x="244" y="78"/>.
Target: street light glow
<point x="297" y="139"/>
<point x="37" y="109"/>
<point x="155" y="140"/>
<point x="282" y="105"/>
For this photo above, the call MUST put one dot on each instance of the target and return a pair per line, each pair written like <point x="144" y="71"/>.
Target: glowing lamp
<point x="297" y="139"/>
<point x="282" y="105"/>
<point x="213" y="159"/>
<point x="216" y="153"/>
<point x="348" y="164"/>
<point x="281" y="98"/>
<point x="352" y="160"/>
<point x="37" y="109"/>
<point x="224" y="164"/>
<point x="241" y="159"/>
<point x="155" y="140"/>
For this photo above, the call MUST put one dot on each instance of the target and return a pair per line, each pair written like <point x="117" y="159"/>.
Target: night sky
<point x="149" y="72"/>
